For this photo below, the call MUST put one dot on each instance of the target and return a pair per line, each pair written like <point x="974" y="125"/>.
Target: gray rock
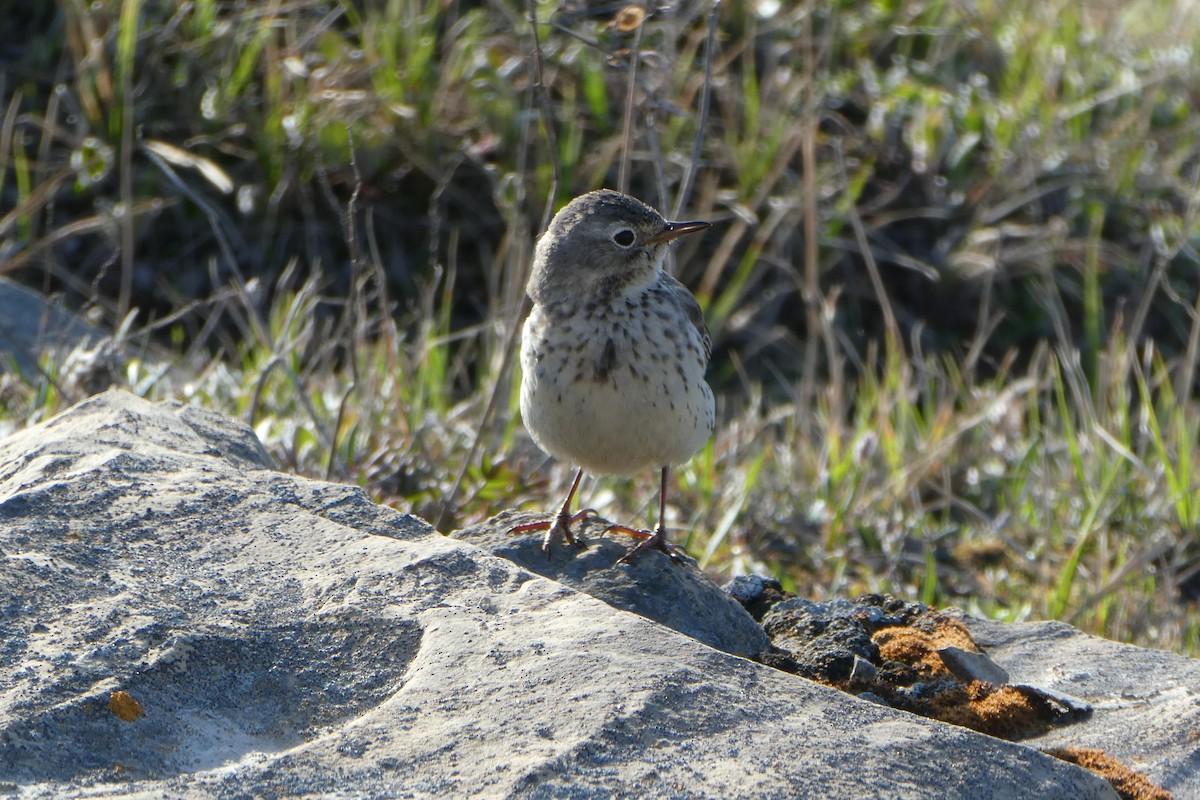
<point x="755" y="593"/>
<point x="827" y="640"/>
<point x="31" y="326"/>
<point x="285" y="636"/>
<point x="674" y="593"/>
<point x="968" y="666"/>
<point x="1145" y="704"/>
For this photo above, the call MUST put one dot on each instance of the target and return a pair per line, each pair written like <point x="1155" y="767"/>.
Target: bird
<point x="613" y="353"/>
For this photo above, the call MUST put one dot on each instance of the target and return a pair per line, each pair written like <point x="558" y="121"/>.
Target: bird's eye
<point x="623" y="237"/>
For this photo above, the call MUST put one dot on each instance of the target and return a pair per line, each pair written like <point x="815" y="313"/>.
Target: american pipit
<point x="613" y="352"/>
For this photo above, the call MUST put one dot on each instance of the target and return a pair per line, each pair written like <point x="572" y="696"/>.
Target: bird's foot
<point x="651" y="540"/>
<point x="559" y="530"/>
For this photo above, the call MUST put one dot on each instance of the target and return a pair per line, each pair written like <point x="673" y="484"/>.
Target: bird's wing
<point x="688" y="303"/>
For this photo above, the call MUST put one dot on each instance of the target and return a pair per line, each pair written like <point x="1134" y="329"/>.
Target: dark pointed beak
<point x="676" y="229"/>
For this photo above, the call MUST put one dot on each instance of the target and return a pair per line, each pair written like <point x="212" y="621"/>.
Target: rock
<point x="897" y="652"/>
<point x="176" y="618"/>
<point x="1145" y="704"/>
<point x="1113" y="707"/>
<point x="827" y="640"/>
<point x="755" y="593"/>
<point x="32" y="326"/>
<point x="674" y="593"/>
<point x="968" y="666"/>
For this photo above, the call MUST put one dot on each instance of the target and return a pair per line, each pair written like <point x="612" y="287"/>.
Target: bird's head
<point x="602" y="243"/>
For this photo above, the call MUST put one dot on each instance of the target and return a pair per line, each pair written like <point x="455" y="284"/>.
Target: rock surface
<point x="1146" y="702"/>
<point x="32" y="326"/>
<point x="176" y="618"/>
<point x="677" y="595"/>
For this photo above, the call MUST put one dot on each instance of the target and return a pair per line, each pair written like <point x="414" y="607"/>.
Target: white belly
<point x="616" y="408"/>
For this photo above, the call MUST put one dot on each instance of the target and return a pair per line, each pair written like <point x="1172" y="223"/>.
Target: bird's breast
<point x="618" y="386"/>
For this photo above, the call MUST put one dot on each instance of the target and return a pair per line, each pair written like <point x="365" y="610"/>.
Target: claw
<point x="559" y="530"/>
<point x="561" y="527"/>
<point x="650" y="541"/>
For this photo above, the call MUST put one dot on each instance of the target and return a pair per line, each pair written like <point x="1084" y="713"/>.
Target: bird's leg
<point x="656" y="540"/>
<point x="561" y="527"/>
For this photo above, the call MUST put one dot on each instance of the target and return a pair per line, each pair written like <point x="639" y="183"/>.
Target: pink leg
<point x="651" y="541"/>
<point x="561" y="528"/>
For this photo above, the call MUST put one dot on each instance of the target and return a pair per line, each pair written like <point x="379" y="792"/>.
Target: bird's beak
<point x="676" y="229"/>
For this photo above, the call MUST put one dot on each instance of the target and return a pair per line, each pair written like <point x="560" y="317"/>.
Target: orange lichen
<point x="922" y="661"/>
<point x="945" y="631"/>
<point x="1005" y="711"/>
<point x="1130" y="785"/>
<point x="917" y="644"/>
<point x="124" y="706"/>
<point x="912" y="647"/>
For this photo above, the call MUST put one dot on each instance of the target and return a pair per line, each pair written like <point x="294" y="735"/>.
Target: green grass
<point x="952" y="282"/>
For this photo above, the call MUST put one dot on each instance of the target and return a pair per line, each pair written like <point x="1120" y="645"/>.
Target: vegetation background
<point x="953" y="279"/>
